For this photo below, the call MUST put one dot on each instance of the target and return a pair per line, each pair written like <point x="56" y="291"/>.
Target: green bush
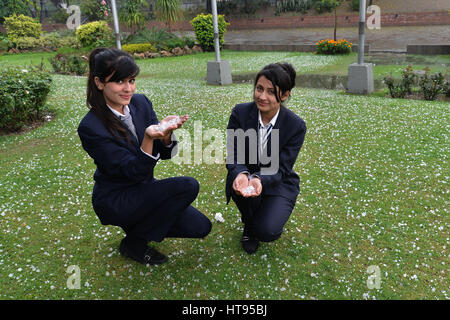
<point x="28" y="43"/>
<point x="446" y="88"/>
<point x="399" y="89"/>
<point x="431" y="86"/>
<point x="51" y="41"/>
<point x="22" y="96"/>
<point x="138" y="48"/>
<point x="355" y="5"/>
<point x="18" y="26"/>
<point x="60" y="16"/>
<point x="155" y="36"/>
<point x="204" y="30"/>
<point x="95" y="34"/>
<point x="408" y="79"/>
<point x="72" y="64"/>
<point x="179" y="42"/>
<point x="293" y="6"/>
<point x="69" y="41"/>
<point x="322" y="6"/>
<point x="93" y="10"/>
<point x="5" y="43"/>
<point x="396" y="89"/>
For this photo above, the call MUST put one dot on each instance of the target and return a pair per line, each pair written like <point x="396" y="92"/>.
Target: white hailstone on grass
<point x="219" y="217"/>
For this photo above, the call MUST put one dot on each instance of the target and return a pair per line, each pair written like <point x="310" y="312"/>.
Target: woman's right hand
<point x="240" y="183"/>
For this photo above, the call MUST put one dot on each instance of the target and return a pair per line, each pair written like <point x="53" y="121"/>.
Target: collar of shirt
<point x="273" y="121"/>
<point x="126" y="111"/>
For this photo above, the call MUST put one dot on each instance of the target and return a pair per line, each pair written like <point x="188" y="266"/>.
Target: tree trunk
<point x="335" y="23"/>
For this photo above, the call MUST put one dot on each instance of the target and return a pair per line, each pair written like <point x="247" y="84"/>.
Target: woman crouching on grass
<point x="121" y="132"/>
<point x="261" y="180"/>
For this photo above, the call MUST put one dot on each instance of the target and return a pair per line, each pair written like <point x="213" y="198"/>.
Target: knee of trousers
<point x="190" y="186"/>
<point x="206" y="228"/>
<point x="265" y="234"/>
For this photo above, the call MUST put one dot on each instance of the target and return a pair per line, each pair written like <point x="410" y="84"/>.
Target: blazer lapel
<point x="252" y="124"/>
<point x="252" y="120"/>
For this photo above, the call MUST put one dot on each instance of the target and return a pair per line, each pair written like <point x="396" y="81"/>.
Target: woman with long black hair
<point x="121" y="132"/>
<point x="264" y="140"/>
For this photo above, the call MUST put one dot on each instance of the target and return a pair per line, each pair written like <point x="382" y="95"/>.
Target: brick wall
<point x="400" y="19"/>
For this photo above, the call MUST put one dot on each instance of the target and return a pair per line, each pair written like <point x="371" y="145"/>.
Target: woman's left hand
<point x="256" y="184"/>
<point x="170" y="123"/>
<point x="164" y="129"/>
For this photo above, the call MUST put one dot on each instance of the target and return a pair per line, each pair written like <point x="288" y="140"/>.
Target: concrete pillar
<point x="360" y="78"/>
<point x="218" y="73"/>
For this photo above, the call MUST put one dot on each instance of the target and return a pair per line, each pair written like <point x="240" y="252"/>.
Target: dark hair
<point x="282" y="75"/>
<point x="104" y="62"/>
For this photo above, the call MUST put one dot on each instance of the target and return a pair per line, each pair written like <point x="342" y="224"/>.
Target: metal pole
<point x="116" y="24"/>
<point x="362" y="25"/>
<point x="216" y="29"/>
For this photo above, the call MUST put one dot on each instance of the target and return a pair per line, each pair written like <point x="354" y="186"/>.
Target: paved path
<point x="387" y="38"/>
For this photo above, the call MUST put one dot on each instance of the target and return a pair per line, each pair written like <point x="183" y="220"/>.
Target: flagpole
<point x="116" y="24"/>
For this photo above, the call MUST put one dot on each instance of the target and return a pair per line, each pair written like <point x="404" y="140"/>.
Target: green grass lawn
<point x="374" y="192"/>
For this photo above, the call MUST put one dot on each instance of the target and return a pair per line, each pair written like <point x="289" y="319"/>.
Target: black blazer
<point x="292" y="129"/>
<point x="120" y="164"/>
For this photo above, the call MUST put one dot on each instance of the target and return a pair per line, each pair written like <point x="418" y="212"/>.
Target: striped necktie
<point x="266" y="135"/>
<point x="128" y="121"/>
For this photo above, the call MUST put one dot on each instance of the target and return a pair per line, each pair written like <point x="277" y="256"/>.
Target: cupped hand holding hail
<point x="162" y="131"/>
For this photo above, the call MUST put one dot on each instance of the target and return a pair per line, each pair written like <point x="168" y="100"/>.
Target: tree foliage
<point x="168" y="11"/>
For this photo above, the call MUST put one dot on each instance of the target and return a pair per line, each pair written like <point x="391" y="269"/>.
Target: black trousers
<point x="162" y="209"/>
<point x="264" y="216"/>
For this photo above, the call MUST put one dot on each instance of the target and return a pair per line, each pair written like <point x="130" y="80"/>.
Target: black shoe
<point x="151" y="255"/>
<point x="249" y="243"/>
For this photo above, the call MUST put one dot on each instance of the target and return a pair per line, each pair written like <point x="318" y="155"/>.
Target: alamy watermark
<point x="74" y="280"/>
<point x="242" y="147"/>
<point x="74" y="19"/>
<point x="374" y="21"/>
<point x="374" y="279"/>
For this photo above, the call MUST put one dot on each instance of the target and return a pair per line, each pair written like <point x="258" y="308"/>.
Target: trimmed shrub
<point x="138" y="48"/>
<point x="69" y="64"/>
<point x="51" y="41"/>
<point x="28" y="43"/>
<point x="204" y="30"/>
<point x="22" y="96"/>
<point x="96" y="34"/>
<point x="329" y="46"/>
<point x="18" y="26"/>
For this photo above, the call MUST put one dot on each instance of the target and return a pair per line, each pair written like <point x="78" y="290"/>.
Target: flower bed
<point x="329" y="46"/>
